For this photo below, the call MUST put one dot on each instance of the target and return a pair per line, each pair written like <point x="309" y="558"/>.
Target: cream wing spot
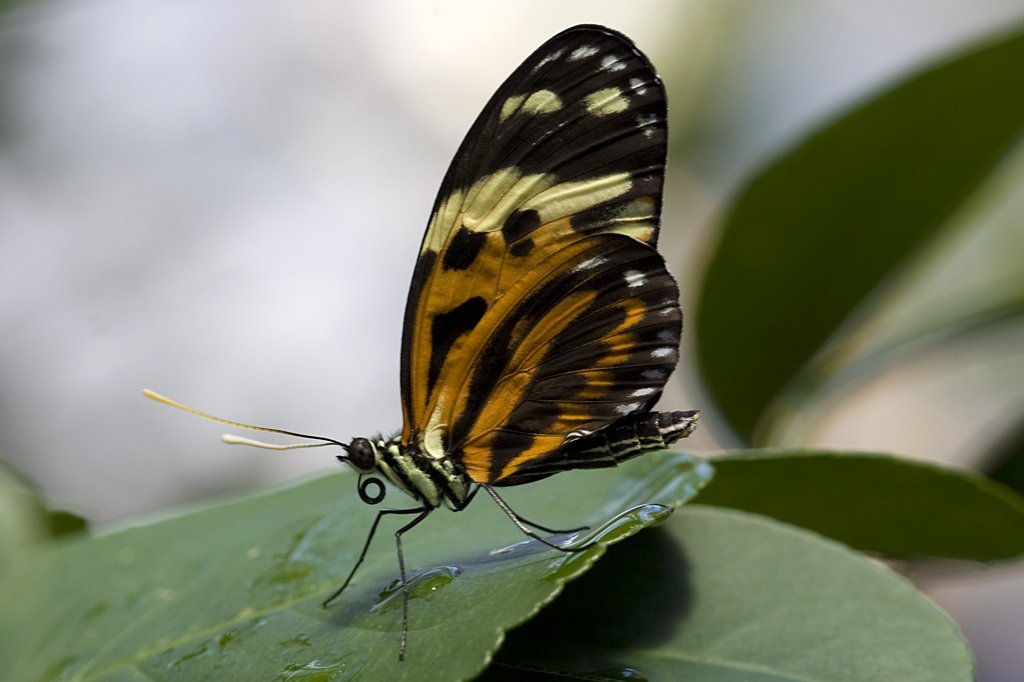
<point x="539" y="102"/>
<point x="542" y="102"/>
<point x="495" y="197"/>
<point x="634" y="219"/>
<point x="510" y="106"/>
<point x="444" y="218"/>
<point x="433" y="436"/>
<point x="606" y="101"/>
<point x="640" y="232"/>
<point x="568" y="198"/>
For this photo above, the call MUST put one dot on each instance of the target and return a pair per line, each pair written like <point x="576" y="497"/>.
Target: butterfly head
<point x="361" y="455"/>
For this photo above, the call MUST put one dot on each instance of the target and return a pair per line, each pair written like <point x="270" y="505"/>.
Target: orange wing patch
<point x="574" y="345"/>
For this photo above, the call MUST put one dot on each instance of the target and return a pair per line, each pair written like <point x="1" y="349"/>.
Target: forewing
<point x="571" y="147"/>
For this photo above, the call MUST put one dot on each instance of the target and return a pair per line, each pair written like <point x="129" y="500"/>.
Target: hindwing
<point x="539" y="308"/>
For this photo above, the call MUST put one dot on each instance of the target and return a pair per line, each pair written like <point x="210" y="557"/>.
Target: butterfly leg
<point x="522" y="524"/>
<point x="531" y="524"/>
<point x="553" y="531"/>
<point x="423" y="511"/>
<point x="366" y="547"/>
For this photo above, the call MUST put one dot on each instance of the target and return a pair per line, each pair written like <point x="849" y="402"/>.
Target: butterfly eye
<point x="361" y="455"/>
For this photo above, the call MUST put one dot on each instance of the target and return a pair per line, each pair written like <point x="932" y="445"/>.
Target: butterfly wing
<point x="538" y="298"/>
<point x="591" y="339"/>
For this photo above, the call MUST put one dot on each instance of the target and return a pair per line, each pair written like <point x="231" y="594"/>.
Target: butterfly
<point x="541" y="323"/>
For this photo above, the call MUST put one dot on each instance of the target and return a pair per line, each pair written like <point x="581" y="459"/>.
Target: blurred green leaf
<point x="814" y="233"/>
<point x="879" y="503"/>
<point x="234" y="591"/>
<point x="1006" y="459"/>
<point x="716" y="594"/>
<point x="60" y="522"/>
<point x="22" y="518"/>
<point x="25" y="520"/>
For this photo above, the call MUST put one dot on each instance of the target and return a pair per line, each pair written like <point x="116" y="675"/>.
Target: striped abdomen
<point x="625" y="439"/>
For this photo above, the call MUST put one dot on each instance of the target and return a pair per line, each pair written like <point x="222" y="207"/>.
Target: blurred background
<point x="223" y="201"/>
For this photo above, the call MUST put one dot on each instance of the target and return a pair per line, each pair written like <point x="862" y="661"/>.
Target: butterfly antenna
<point x="238" y="440"/>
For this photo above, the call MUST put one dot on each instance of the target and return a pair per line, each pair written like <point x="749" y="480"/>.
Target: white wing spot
<point x="610" y="62"/>
<point x="634" y="278"/>
<point x="646" y="124"/>
<point x="575" y="435"/>
<point x="663" y="352"/>
<point x="554" y="56"/>
<point x="594" y="262"/>
<point x="641" y="392"/>
<point x="628" y="408"/>
<point x="638" y="86"/>
<point x="666" y="335"/>
<point x="582" y="52"/>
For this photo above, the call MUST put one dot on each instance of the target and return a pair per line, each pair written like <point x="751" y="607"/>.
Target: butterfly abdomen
<point x="625" y="439"/>
<point x="628" y="438"/>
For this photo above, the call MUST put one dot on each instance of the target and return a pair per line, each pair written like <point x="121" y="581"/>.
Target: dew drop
<point x="616" y="528"/>
<point x="422" y="584"/>
<point x="620" y="675"/>
<point x="313" y="671"/>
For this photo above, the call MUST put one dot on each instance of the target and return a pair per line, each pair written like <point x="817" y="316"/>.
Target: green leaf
<point x="234" y="591"/>
<point x="879" y="503"/>
<point x="60" y="522"/>
<point x="1006" y="458"/>
<point x="721" y="596"/>
<point x="813" y="234"/>
<point x="22" y="518"/>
